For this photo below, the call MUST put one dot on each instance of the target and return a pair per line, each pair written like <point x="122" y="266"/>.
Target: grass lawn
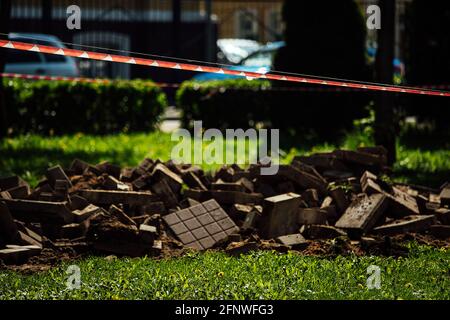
<point x="424" y="274"/>
<point x="29" y="156"/>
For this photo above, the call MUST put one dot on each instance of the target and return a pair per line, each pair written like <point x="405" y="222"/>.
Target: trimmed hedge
<point x="234" y="103"/>
<point x="63" y="107"/>
<point x="239" y="103"/>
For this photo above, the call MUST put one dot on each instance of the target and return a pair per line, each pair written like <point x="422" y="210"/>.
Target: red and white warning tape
<point x="201" y="68"/>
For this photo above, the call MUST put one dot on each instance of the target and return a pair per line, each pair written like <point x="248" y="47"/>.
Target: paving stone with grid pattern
<point x="201" y="226"/>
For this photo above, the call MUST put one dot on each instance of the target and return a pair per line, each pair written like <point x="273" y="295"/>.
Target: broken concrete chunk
<point x="295" y="241"/>
<point x="279" y="215"/>
<point x="363" y="214"/>
<point x="108" y="197"/>
<point x="407" y="224"/>
<point x="109" y="168"/>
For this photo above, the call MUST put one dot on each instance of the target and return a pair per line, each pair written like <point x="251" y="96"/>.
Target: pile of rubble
<point x="159" y="207"/>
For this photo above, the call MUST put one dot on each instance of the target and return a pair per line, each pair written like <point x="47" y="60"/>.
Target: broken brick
<point x="112" y="183"/>
<point x="161" y="172"/>
<point x="312" y="216"/>
<point x="121" y="216"/>
<point x="201" y="226"/>
<point x="362" y="214"/>
<point x="440" y="231"/>
<point x="338" y="195"/>
<point x="108" y="197"/>
<point x="445" y="196"/>
<point x="57" y="173"/>
<point x="407" y="224"/>
<point x="279" y="215"/>
<point x="192" y="181"/>
<point x="316" y="231"/>
<point x="147" y="233"/>
<point x="18" y="254"/>
<point x="163" y="190"/>
<point x="36" y="211"/>
<point x="294" y="241"/>
<point x="8" y="229"/>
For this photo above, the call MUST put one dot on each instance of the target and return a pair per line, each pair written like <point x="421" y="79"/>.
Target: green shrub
<point x="235" y="103"/>
<point x="60" y="107"/>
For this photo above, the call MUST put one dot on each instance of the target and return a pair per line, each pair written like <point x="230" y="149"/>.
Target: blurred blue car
<point x="260" y="61"/>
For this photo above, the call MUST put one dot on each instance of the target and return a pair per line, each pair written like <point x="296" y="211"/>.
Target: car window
<point x="259" y="59"/>
<point x="51" y="58"/>
<point x="16" y="56"/>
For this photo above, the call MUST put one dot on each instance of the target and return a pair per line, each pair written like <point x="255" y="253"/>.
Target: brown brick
<point x="312" y="216"/>
<point x="8" y="229"/>
<point x="407" y="224"/>
<point x="147" y="233"/>
<point x="109" y="168"/>
<point x="20" y="192"/>
<point x="57" y="173"/>
<point x="112" y="183"/>
<point x="86" y="213"/>
<point x="360" y="158"/>
<point x="231" y="197"/>
<point x="340" y="199"/>
<point x="108" y="197"/>
<point x="227" y="186"/>
<point x="202" y="226"/>
<point x="238" y="248"/>
<point x="440" y="231"/>
<point x="316" y="231"/>
<point x="294" y="241"/>
<point x="362" y="214"/>
<point x="445" y="196"/>
<point x="279" y="215"/>
<point x="301" y="178"/>
<point x="311" y="197"/>
<point x="18" y="254"/>
<point x="161" y="172"/>
<point x="163" y="190"/>
<point x="121" y="215"/>
<point x="12" y="182"/>
<point x="193" y="181"/>
<point x="443" y="215"/>
<point x="36" y="211"/>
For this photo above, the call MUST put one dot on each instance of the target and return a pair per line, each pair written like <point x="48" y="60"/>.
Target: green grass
<point x="424" y="274"/>
<point x="29" y="156"/>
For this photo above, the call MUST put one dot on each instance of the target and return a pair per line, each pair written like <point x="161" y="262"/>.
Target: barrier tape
<point x="201" y="68"/>
<point x="199" y="85"/>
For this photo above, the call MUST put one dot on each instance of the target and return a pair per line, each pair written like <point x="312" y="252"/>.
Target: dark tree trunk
<point x="385" y="102"/>
<point x="5" y="15"/>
